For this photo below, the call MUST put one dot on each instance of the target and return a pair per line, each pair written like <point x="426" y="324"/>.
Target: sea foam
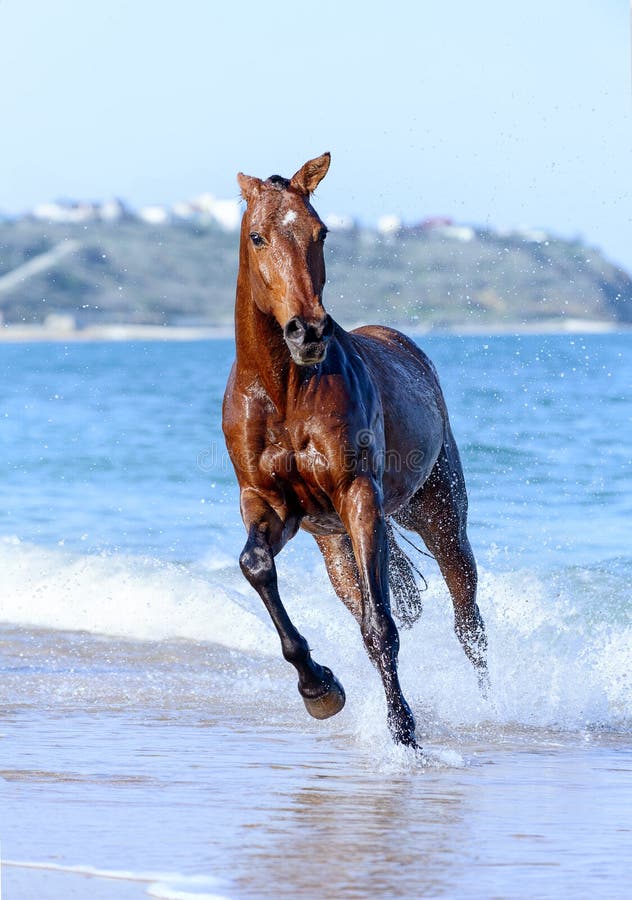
<point x="124" y="596"/>
<point x="560" y="654"/>
<point x="160" y="885"/>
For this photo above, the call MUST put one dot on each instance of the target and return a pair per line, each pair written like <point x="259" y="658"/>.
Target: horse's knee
<point x="257" y="563"/>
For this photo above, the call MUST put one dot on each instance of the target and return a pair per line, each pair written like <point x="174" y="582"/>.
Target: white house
<point x="389" y="224"/>
<point x="455" y="232"/>
<point x="65" y="211"/>
<point x="112" y="210"/>
<point x="153" y="215"/>
<point x="226" y="213"/>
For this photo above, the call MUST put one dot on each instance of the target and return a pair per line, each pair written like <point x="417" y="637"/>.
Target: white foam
<point x="162" y="885"/>
<point x="183" y="889"/>
<point x="126" y="596"/>
<point x="559" y="656"/>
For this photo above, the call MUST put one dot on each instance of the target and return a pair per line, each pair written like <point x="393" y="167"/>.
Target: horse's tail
<point x="406" y="601"/>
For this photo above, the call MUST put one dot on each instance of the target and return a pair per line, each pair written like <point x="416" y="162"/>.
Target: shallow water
<point x="152" y="742"/>
<point x="234" y="792"/>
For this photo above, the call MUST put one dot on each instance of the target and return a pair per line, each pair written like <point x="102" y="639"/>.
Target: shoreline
<point x="133" y="332"/>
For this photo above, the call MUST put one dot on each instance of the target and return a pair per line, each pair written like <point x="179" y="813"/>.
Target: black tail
<point x="405" y="595"/>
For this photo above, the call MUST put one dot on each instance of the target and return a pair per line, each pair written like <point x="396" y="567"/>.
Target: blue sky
<point x="495" y="113"/>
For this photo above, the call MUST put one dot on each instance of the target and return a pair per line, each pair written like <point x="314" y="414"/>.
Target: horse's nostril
<point x="299" y="331"/>
<point x="294" y="328"/>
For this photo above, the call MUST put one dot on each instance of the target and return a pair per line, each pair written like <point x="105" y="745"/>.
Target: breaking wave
<point x="560" y="645"/>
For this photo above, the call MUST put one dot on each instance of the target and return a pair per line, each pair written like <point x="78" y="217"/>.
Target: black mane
<point x="278" y="181"/>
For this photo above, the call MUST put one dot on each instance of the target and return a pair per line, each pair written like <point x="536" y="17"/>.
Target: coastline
<point x="135" y="332"/>
<point x="113" y="332"/>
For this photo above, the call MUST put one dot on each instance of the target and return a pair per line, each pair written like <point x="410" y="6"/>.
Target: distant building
<point x="427" y="226"/>
<point x="65" y="211"/>
<point x="524" y="233"/>
<point x="60" y="322"/>
<point x="226" y="213"/>
<point x="153" y="215"/>
<point x="389" y="224"/>
<point x="433" y="222"/>
<point x="113" y="210"/>
<point x="183" y="210"/>
<point x="444" y="227"/>
<point x="463" y="233"/>
<point x="531" y="235"/>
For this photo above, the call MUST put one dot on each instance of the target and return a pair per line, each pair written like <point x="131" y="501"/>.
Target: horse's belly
<point x="408" y="468"/>
<point x="413" y="409"/>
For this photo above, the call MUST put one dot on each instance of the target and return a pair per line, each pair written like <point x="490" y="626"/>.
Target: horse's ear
<point x="309" y="176"/>
<point x="249" y="185"/>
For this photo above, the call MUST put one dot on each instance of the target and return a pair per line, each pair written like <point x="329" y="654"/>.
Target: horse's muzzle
<point x="307" y="341"/>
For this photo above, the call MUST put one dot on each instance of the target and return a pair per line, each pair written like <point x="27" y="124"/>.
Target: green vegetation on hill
<point x="129" y="271"/>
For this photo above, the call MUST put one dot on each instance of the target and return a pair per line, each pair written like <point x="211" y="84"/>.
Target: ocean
<point x="152" y="741"/>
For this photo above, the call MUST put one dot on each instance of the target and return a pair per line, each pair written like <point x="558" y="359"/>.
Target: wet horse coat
<point x="334" y="432"/>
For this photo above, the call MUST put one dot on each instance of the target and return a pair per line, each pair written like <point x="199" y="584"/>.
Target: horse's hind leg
<point x="438" y="513"/>
<point x="343" y="571"/>
<point x="360" y="509"/>
<point x="366" y="596"/>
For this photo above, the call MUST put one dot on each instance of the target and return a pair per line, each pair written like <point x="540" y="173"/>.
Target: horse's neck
<point x="261" y="350"/>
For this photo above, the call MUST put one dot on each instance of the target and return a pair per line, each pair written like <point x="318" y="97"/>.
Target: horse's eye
<point x="256" y="239"/>
<point x="322" y="234"/>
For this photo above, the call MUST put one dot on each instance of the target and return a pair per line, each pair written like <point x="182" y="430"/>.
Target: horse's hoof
<point x="327" y="704"/>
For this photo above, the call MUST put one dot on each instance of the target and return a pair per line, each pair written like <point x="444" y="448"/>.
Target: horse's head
<point x="283" y="238"/>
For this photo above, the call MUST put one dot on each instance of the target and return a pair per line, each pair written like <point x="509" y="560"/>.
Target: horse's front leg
<point x="322" y="693"/>
<point x="363" y="516"/>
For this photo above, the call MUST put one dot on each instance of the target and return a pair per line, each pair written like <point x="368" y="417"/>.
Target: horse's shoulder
<point x="247" y="409"/>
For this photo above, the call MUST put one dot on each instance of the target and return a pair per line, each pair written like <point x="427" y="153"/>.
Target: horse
<point x="339" y="433"/>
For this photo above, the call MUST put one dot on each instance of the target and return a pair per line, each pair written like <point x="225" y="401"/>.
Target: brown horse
<point x="335" y="432"/>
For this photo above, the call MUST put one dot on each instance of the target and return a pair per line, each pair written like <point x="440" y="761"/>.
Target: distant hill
<point x="184" y="273"/>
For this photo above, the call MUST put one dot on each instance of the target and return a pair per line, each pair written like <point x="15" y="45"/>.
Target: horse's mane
<point x="279" y="182"/>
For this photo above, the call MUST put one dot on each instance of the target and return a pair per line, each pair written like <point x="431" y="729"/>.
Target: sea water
<point x="152" y="742"/>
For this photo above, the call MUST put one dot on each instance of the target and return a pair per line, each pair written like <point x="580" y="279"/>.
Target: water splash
<point x="560" y="653"/>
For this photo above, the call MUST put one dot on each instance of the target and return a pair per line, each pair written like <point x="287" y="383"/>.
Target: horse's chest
<point x="277" y="462"/>
<point x="297" y="467"/>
